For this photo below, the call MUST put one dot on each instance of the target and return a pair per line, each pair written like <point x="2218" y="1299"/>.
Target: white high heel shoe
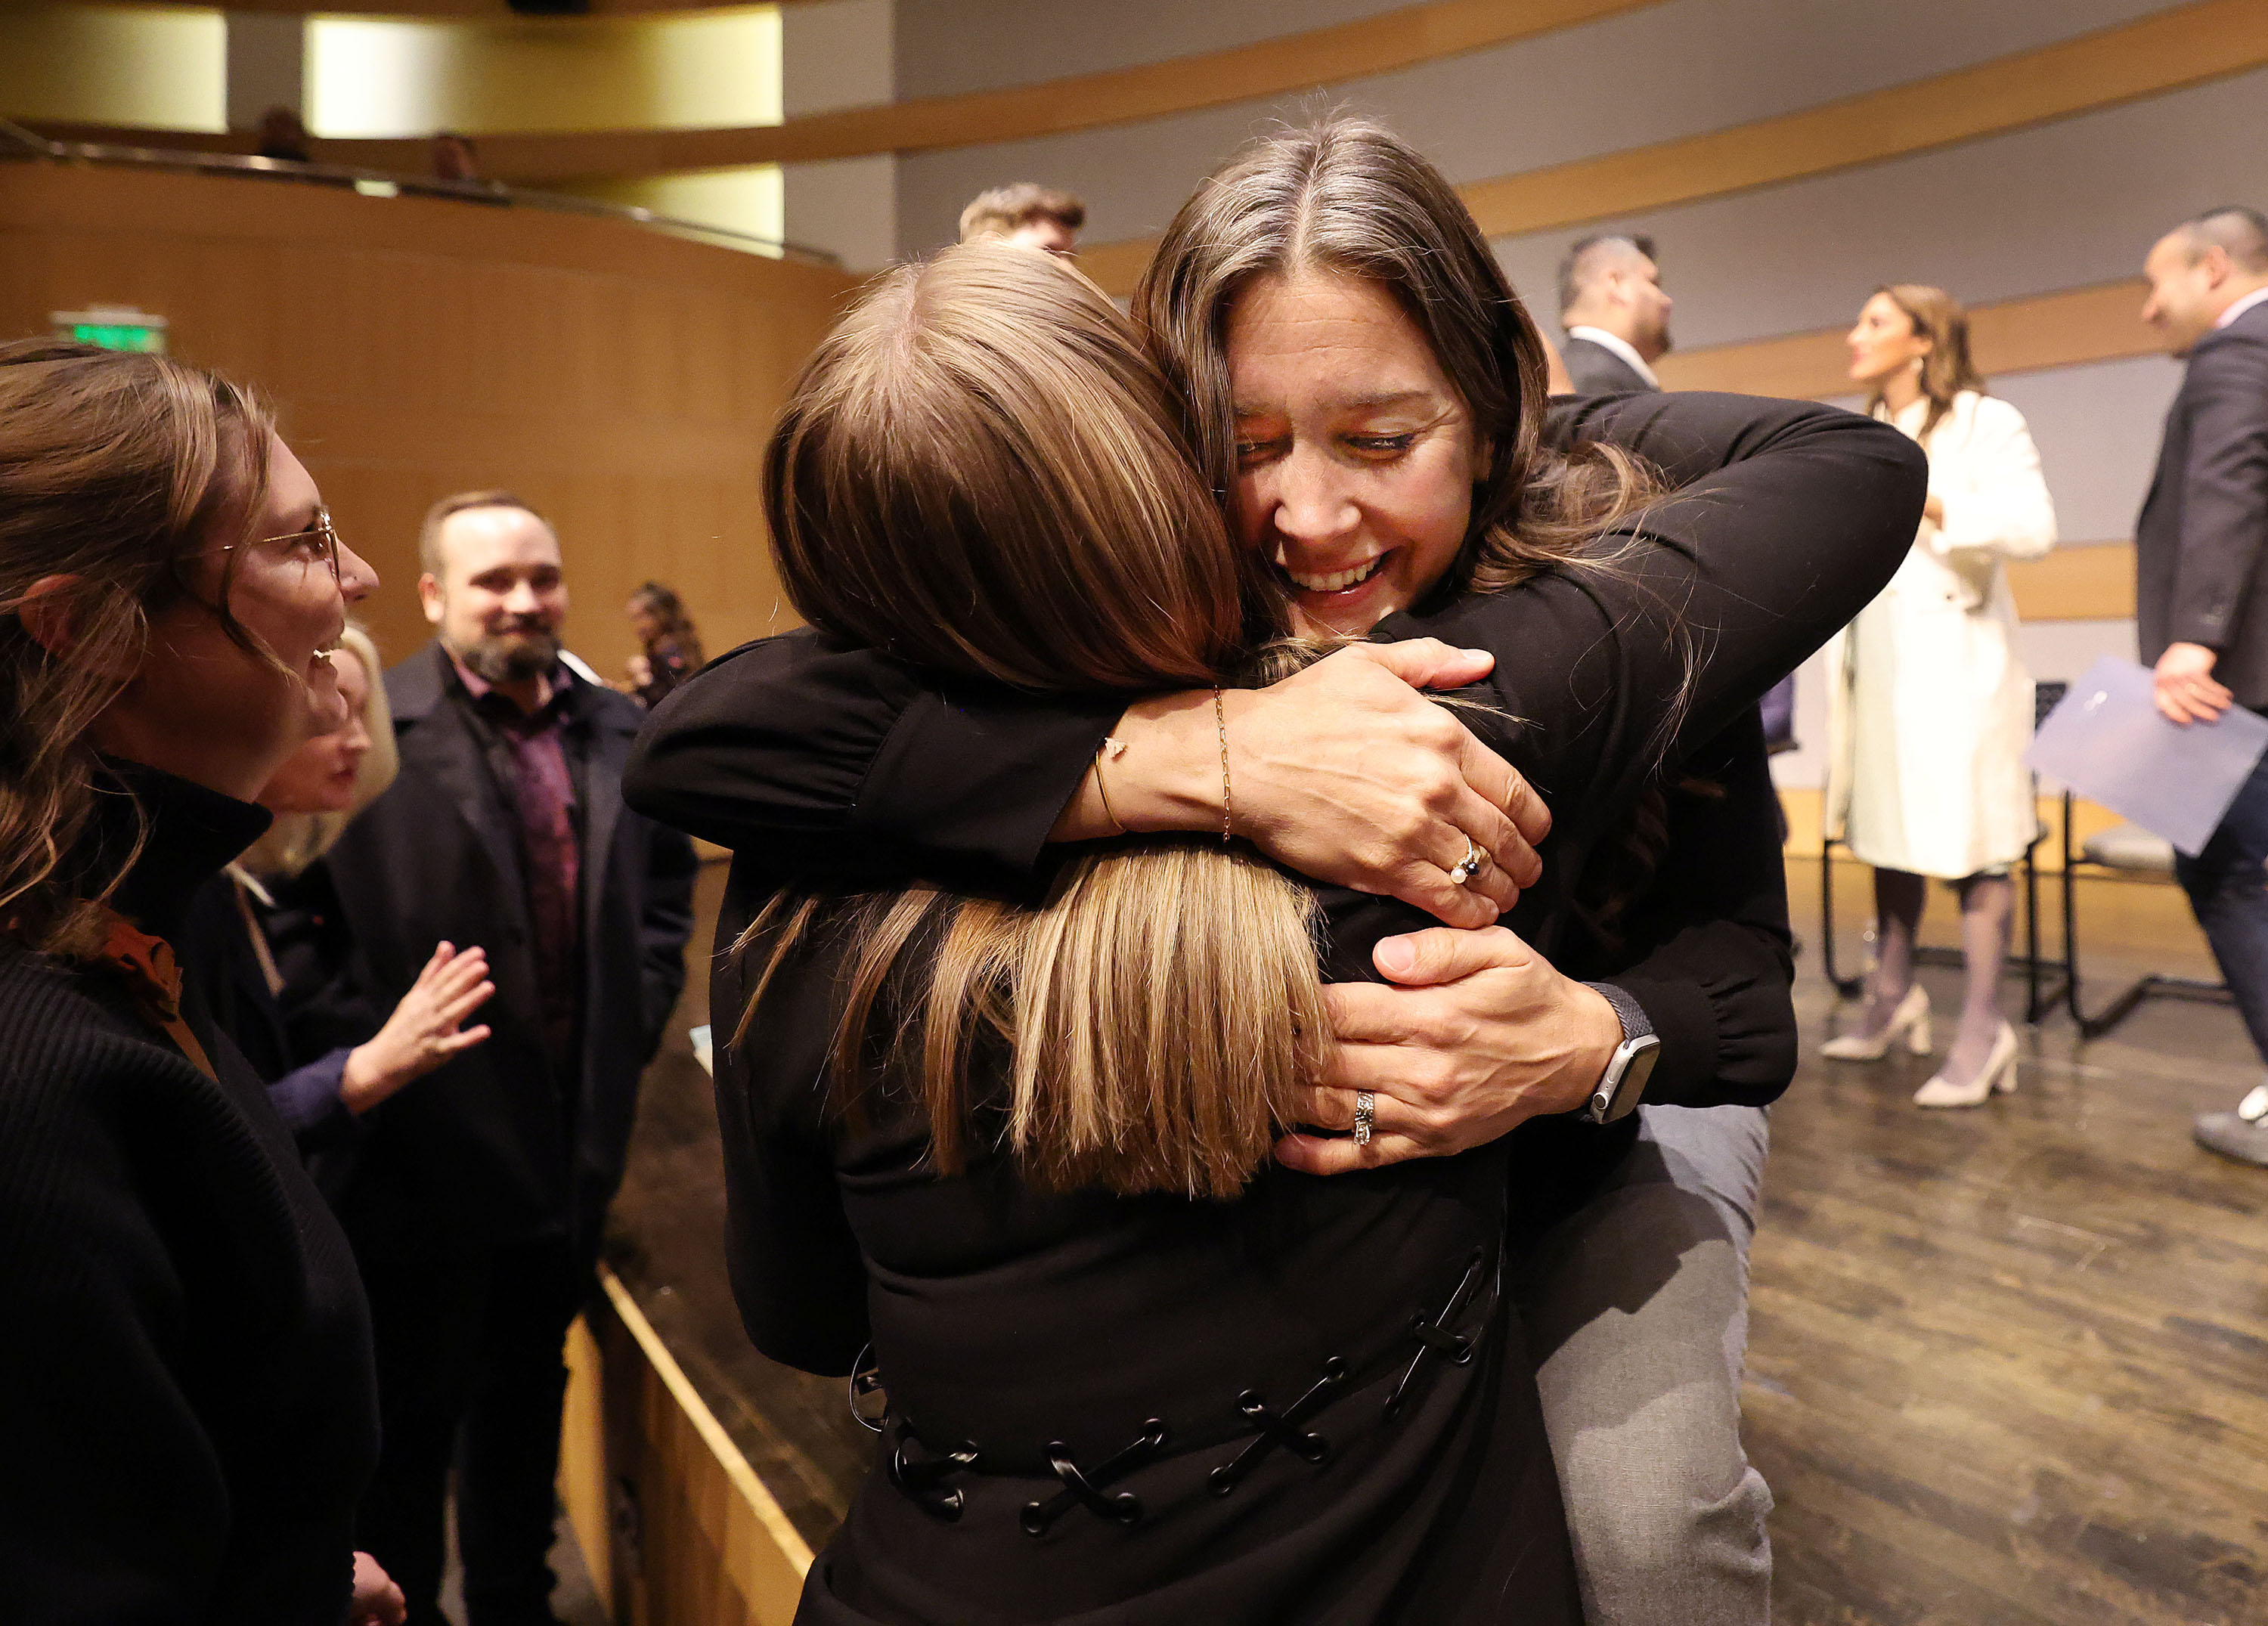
<point x="1999" y="1073"/>
<point x="1909" y="1024"/>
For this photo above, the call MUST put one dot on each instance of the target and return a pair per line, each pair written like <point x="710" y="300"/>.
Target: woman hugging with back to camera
<point x="1365" y="402"/>
<point x="1019" y="1141"/>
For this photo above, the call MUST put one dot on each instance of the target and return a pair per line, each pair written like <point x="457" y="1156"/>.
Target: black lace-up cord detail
<point x="1038" y="1518"/>
<point x="1434" y="1337"/>
<point x="1281" y="1429"/>
<point x="923" y="1480"/>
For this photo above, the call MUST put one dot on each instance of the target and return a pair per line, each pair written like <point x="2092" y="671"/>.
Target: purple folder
<point x="2109" y="741"/>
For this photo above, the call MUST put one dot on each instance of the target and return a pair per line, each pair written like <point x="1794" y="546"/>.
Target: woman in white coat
<point x="1930" y="707"/>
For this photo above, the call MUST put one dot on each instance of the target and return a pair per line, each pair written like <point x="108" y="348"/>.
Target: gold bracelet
<point x="1221" y="720"/>
<point x="1109" y="749"/>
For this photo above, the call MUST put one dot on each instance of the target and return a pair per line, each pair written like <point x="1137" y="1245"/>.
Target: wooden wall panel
<point x="1401" y="38"/>
<point x="2183" y="45"/>
<point x="620" y="380"/>
<point x="2077" y="582"/>
<point x="674" y="1525"/>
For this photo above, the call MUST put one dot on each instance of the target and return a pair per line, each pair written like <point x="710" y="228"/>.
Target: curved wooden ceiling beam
<point x="1403" y="38"/>
<point x="2210" y="39"/>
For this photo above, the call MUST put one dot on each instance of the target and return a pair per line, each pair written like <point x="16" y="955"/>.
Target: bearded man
<point x="477" y="1196"/>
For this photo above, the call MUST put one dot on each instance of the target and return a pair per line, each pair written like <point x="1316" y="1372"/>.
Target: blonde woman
<point x="257" y="986"/>
<point x="1931" y="707"/>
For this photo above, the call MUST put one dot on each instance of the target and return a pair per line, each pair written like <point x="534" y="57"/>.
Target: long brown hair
<point x="116" y="471"/>
<point x="1946" y="368"/>
<point x="981" y="472"/>
<point x="1347" y="195"/>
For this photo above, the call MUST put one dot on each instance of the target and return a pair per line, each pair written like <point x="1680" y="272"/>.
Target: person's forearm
<point x="1159" y="770"/>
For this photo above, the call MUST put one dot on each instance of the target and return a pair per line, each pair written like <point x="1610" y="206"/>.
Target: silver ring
<point x="1365" y="1108"/>
<point x="1470" y="864"/>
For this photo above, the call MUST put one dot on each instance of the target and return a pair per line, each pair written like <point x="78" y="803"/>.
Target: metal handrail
<point x="16" y="140"/>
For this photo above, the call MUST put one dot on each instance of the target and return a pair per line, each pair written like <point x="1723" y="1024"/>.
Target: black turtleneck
<point x="188" y="1409"/>
<point x="194" y="834"/>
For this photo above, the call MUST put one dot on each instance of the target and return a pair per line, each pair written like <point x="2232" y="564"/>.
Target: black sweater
<point x="188" y="1406"/>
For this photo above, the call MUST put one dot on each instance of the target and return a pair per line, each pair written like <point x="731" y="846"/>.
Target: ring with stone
<point x="1470" y="864"/>
<point x="1366" y="1109"/>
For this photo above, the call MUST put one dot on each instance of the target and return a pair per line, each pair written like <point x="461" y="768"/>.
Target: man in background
<point x="2201" y="597"/>
<point x="1615" y="316"/>
<point x="478" y="1192"/>
<point x="1027" y="215"/>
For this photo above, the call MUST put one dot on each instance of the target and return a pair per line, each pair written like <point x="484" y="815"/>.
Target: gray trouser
<point x="1637" y="1311"/>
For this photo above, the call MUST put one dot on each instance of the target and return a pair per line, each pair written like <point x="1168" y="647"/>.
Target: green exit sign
<point x="113" y="328"/>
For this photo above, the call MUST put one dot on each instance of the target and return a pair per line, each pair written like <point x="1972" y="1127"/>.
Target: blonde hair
<point x="1007" y="209"/>
<point x="1945" y="368"/>
<point x="117" y="470"/>
<point x="981" y="472"/>
<point x="295" y="840"/>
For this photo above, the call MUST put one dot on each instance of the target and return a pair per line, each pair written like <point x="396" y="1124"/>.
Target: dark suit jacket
<point x="1598" y="371"/>
<point x="2197" y="544"/>
<point x="493" y="1147"/>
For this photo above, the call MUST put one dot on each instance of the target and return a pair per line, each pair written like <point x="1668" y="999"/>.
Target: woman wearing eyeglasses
<point x="186" y="1388"/>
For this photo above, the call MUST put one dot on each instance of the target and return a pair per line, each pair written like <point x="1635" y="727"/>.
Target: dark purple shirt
<point x="542" y="792"/>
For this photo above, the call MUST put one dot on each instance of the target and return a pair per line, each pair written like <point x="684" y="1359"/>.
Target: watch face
<point x="1638" y="1058"/>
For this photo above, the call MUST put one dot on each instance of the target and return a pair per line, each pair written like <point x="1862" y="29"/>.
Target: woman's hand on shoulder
<point x="1346" y="772"/>
<point x="1473" y="1034"/>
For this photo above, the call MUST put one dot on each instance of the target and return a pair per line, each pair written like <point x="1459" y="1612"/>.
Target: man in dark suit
<point x="1615" y="316"/>
<point x="478" y="1192"/>
<point x="2201" y="597"/>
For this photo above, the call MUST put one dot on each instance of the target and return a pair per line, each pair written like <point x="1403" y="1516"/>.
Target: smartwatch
<point x="1617" y="1093"/>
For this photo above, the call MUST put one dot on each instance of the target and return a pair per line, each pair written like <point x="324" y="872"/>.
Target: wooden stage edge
<point x="675" y="1528"/>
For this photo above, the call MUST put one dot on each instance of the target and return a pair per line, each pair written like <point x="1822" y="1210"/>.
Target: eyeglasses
<point x="321" y="542"/>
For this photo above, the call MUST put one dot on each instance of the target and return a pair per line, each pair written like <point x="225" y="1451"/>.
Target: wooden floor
<point x="2007" y="1366"/>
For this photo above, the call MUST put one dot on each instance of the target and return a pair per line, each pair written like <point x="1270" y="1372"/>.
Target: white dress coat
<point x="1929" y="707"/>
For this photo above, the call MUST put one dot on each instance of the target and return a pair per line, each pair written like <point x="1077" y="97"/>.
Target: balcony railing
<point x="16" y="141"/>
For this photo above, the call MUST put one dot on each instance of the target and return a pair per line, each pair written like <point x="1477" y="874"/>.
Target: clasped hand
<point x="1473" y="1035"/>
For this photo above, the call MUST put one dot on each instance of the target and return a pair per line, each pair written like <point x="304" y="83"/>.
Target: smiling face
<point x="1884" y="342"/>
<point x="500" y="596"/>
<point x="215" y="712"/>
<point x="319" y="777"/>
<point x="1356" y="455"/>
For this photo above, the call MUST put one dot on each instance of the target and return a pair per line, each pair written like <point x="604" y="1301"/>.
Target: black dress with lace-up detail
<point x="1311" y="1404"/>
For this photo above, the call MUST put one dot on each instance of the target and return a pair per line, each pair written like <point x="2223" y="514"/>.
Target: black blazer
<point x="187" y="1407"/>
<point x="479" y="1149"/>
<point x="2197" y="544"/>
<point x="1598" y="371"/>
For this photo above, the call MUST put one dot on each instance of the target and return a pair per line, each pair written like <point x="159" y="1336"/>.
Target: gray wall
<point x="2060" y="205"/>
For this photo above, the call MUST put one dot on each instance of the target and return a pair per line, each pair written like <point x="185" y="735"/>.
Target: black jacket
<point x="187" y="1407"/>
<point x="1008" y="1319"/>
<point x="2197" y="544"/>
<point x="1598" y="371"/>
<point x="479" y="1151"/>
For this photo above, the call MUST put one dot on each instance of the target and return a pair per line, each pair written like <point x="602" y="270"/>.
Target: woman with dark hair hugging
<point x="1382" y="442"/>
<point x="1016" y="1132"/>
